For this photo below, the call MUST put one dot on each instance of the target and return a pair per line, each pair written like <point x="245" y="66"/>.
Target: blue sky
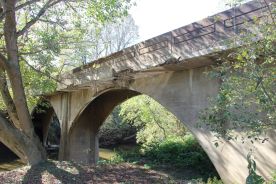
<point x="155" y="17"/>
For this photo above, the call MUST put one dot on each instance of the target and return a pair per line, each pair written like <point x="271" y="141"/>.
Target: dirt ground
<point x="53" y="172"/>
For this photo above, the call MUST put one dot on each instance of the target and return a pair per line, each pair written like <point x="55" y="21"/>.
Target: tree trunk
<point x="24" y="142"/>
<point x="29" y="150"/>
<point x="13" y="69"/>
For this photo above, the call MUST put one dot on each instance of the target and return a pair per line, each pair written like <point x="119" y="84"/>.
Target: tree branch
<point x="6" y="96"/>
<point x="13" y="69"/>
<point x="35" y="19"/>
<point x="31" y="53"/>
<point x="60" y="24"/>
<point x="26" y="4"/>
<point x="41" y="72"/>
<point x="2" y="13"/>
<point x="156" y="121"/>
<point x="41" y="12"/>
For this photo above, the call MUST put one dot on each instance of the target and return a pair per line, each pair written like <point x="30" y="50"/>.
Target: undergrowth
<point x="173" y="153"/>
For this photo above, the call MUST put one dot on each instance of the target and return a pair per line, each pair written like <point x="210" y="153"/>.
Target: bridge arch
<point x="83" y="133"/>
<point x="184" y="93"/>
<point x="43" y="115"/>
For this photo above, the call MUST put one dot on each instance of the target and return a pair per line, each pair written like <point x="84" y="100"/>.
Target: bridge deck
<point x="194" y="45"/>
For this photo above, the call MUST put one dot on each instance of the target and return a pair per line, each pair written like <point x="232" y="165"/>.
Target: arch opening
<point x="84" y="134"/>
<point x="47" y="127"/>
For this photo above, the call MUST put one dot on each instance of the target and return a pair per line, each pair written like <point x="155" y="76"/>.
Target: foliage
<point x="42" y="83"/>
<point x="214" y="180"/>
<point x="47" y="47"/>
<point x="253" y="178"/>
<point x="163" y="140"/>
<point x="154" y="123"/>
<point x="133" y="155"/>
<point x="210" y="180"/>
<point x="246" y="100"/>
<point x="34" y="35"/>
<point x="113" y="131"/>
<point x="273" y="180"/>
<point x="178" y="153"/>
<point x="64" y="38"/>
<point x="182" y="152"/>
<point x="100" y="40"/>
<point x="2" y="105"/>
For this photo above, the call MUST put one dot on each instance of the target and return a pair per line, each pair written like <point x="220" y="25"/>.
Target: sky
<point x="155" y="17"/>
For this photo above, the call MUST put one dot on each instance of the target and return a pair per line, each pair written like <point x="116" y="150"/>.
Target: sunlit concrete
<point x="170" y="68"/>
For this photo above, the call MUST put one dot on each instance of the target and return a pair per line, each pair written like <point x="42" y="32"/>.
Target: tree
<point x="246" y="100"/>
<point x="32" y="36"/>
<point x="101" y="40"/>
<point x="154" y="123"/>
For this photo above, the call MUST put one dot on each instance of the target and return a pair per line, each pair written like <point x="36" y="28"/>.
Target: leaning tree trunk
<point x="19" y="136"/>
<point x="24" y="147"/>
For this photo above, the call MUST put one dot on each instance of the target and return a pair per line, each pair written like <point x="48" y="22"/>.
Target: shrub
<point x="214" y="180"/>
<point x="179" y="152"/>
<point x="114" y="132"/>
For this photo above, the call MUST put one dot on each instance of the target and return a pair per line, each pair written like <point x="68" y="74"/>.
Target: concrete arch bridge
<point x="170" y="68"/>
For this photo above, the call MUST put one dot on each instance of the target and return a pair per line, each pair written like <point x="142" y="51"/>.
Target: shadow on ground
<point x="71" y="173"/>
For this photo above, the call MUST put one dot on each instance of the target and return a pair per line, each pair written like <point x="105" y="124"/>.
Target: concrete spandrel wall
<point x="74" y="102"/>
<point x="183" y="92"/>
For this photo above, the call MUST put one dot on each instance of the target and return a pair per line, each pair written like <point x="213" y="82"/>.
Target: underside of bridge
<point x="47" y="127"/>
<point x="83" y="137"/>
<point x="42" y="116"/>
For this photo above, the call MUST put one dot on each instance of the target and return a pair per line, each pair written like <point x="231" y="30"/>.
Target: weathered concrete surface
<point x="192" y="46"/>
<point x="171" y="69"/>
<point x="185" y="94"/>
